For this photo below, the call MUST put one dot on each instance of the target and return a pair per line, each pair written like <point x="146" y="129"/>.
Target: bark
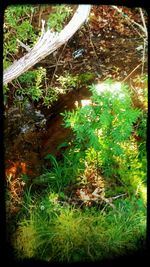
<point x="47" y="44"/>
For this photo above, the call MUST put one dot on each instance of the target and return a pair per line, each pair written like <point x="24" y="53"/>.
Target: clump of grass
<point x="56" y="232"/>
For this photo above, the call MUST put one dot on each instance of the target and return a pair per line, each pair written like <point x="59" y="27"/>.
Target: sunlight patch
<point x="143" y="193"/>
<point x="115" y="88"/>
<point x="85" y="102"/>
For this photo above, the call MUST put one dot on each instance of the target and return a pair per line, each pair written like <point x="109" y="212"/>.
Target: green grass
<point x="56" y="232"/>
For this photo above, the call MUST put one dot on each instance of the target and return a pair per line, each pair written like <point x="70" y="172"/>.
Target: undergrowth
<point x="109" y="138"/>
<point x="55" y="232"/>
<point x="50" y="226"/>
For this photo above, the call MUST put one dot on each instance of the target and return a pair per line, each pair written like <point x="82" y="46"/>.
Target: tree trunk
<point x="47" y="44"/>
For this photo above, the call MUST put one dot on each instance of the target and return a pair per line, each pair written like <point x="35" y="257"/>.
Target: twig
<point x="104" y="207"/>
<point x="57" y="64"/>
<point x="24" y="46"/>
<point x="132" y="72"/>
<point x="109" y="201"/>
<point x="18" y="84"/>
<point x="31" y="17"/>
<point x="121" y="195"/>
<point x="143" y="58"/>
<point x="52" y="66"/>
<point x="43" y="24"/>
<point x="40" y="14"/>
<point x="42" y="30"/>
<point x="143" y="20"/>
<point x="92" y="42"/>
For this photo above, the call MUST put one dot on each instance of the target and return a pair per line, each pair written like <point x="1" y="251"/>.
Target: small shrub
<point x="104" y="125"/>
<point x="58" y="16"/>
<point x="17" y="26"/>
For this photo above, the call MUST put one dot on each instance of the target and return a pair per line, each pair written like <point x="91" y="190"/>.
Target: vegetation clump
<point x="82" y="215"/>
<point x="90" y="203"/>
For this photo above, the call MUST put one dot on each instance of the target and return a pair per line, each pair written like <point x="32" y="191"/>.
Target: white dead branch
<point x="47" y="44"/>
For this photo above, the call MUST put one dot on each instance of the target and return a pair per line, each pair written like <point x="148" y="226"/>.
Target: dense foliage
<point x="59" y="217"/>
<point x="103" y="140"/>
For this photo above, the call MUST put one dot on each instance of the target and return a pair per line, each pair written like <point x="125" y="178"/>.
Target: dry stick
<point x="132" y="72"/>
<point x="31" y="17"/>
<point x="121" y="195"/>
<point x="144" y="43"/>
<point x="24" y="46"/>
<point x="52" y="66"/>
<point x="143" y="20"/>
<point x="40" y="15"/>
<point x="129" y="21"/>
<point x="143" y="58"/>
<point x="57" y="64"/>
<point x="92" y="42"/>
<point x="109" y="200"/>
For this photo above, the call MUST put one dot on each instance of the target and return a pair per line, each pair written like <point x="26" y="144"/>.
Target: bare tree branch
<point x="47" y="44"/>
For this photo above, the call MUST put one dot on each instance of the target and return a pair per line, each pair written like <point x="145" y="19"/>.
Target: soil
<point x="111" y="50"/>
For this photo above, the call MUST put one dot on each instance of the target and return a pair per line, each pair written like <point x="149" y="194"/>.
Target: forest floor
<point x="112" y="48"/>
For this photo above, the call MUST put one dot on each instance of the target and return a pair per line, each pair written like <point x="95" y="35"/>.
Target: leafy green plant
<point x="17" y="25"/>
<point x="58" y="16"/>
<point x="49" y="96"/>
<point x="69" y="81"/>
<point x="85" y="78"/>
<point x="103" y="133"/>
<point x="32" y="86"/>
<point x="104" y="125"/>
<point x="33" y="81"/>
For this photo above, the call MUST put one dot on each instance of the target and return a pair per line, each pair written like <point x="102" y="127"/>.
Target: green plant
<point x="85" y="78"/>
<point x="141" y="131"/>
<point x="49" y="96"/>
<point x="32" y="86"/>
<point x="62" y="173"/>
<point x="17" y="25"/>
<point x="60" y="233"/>
<point x="58" y="16"/>
<point x="103" y="132"/>
<point x="105" y="125"/>
<point x="33" y="82"/>
<point x="68" y="81"/>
